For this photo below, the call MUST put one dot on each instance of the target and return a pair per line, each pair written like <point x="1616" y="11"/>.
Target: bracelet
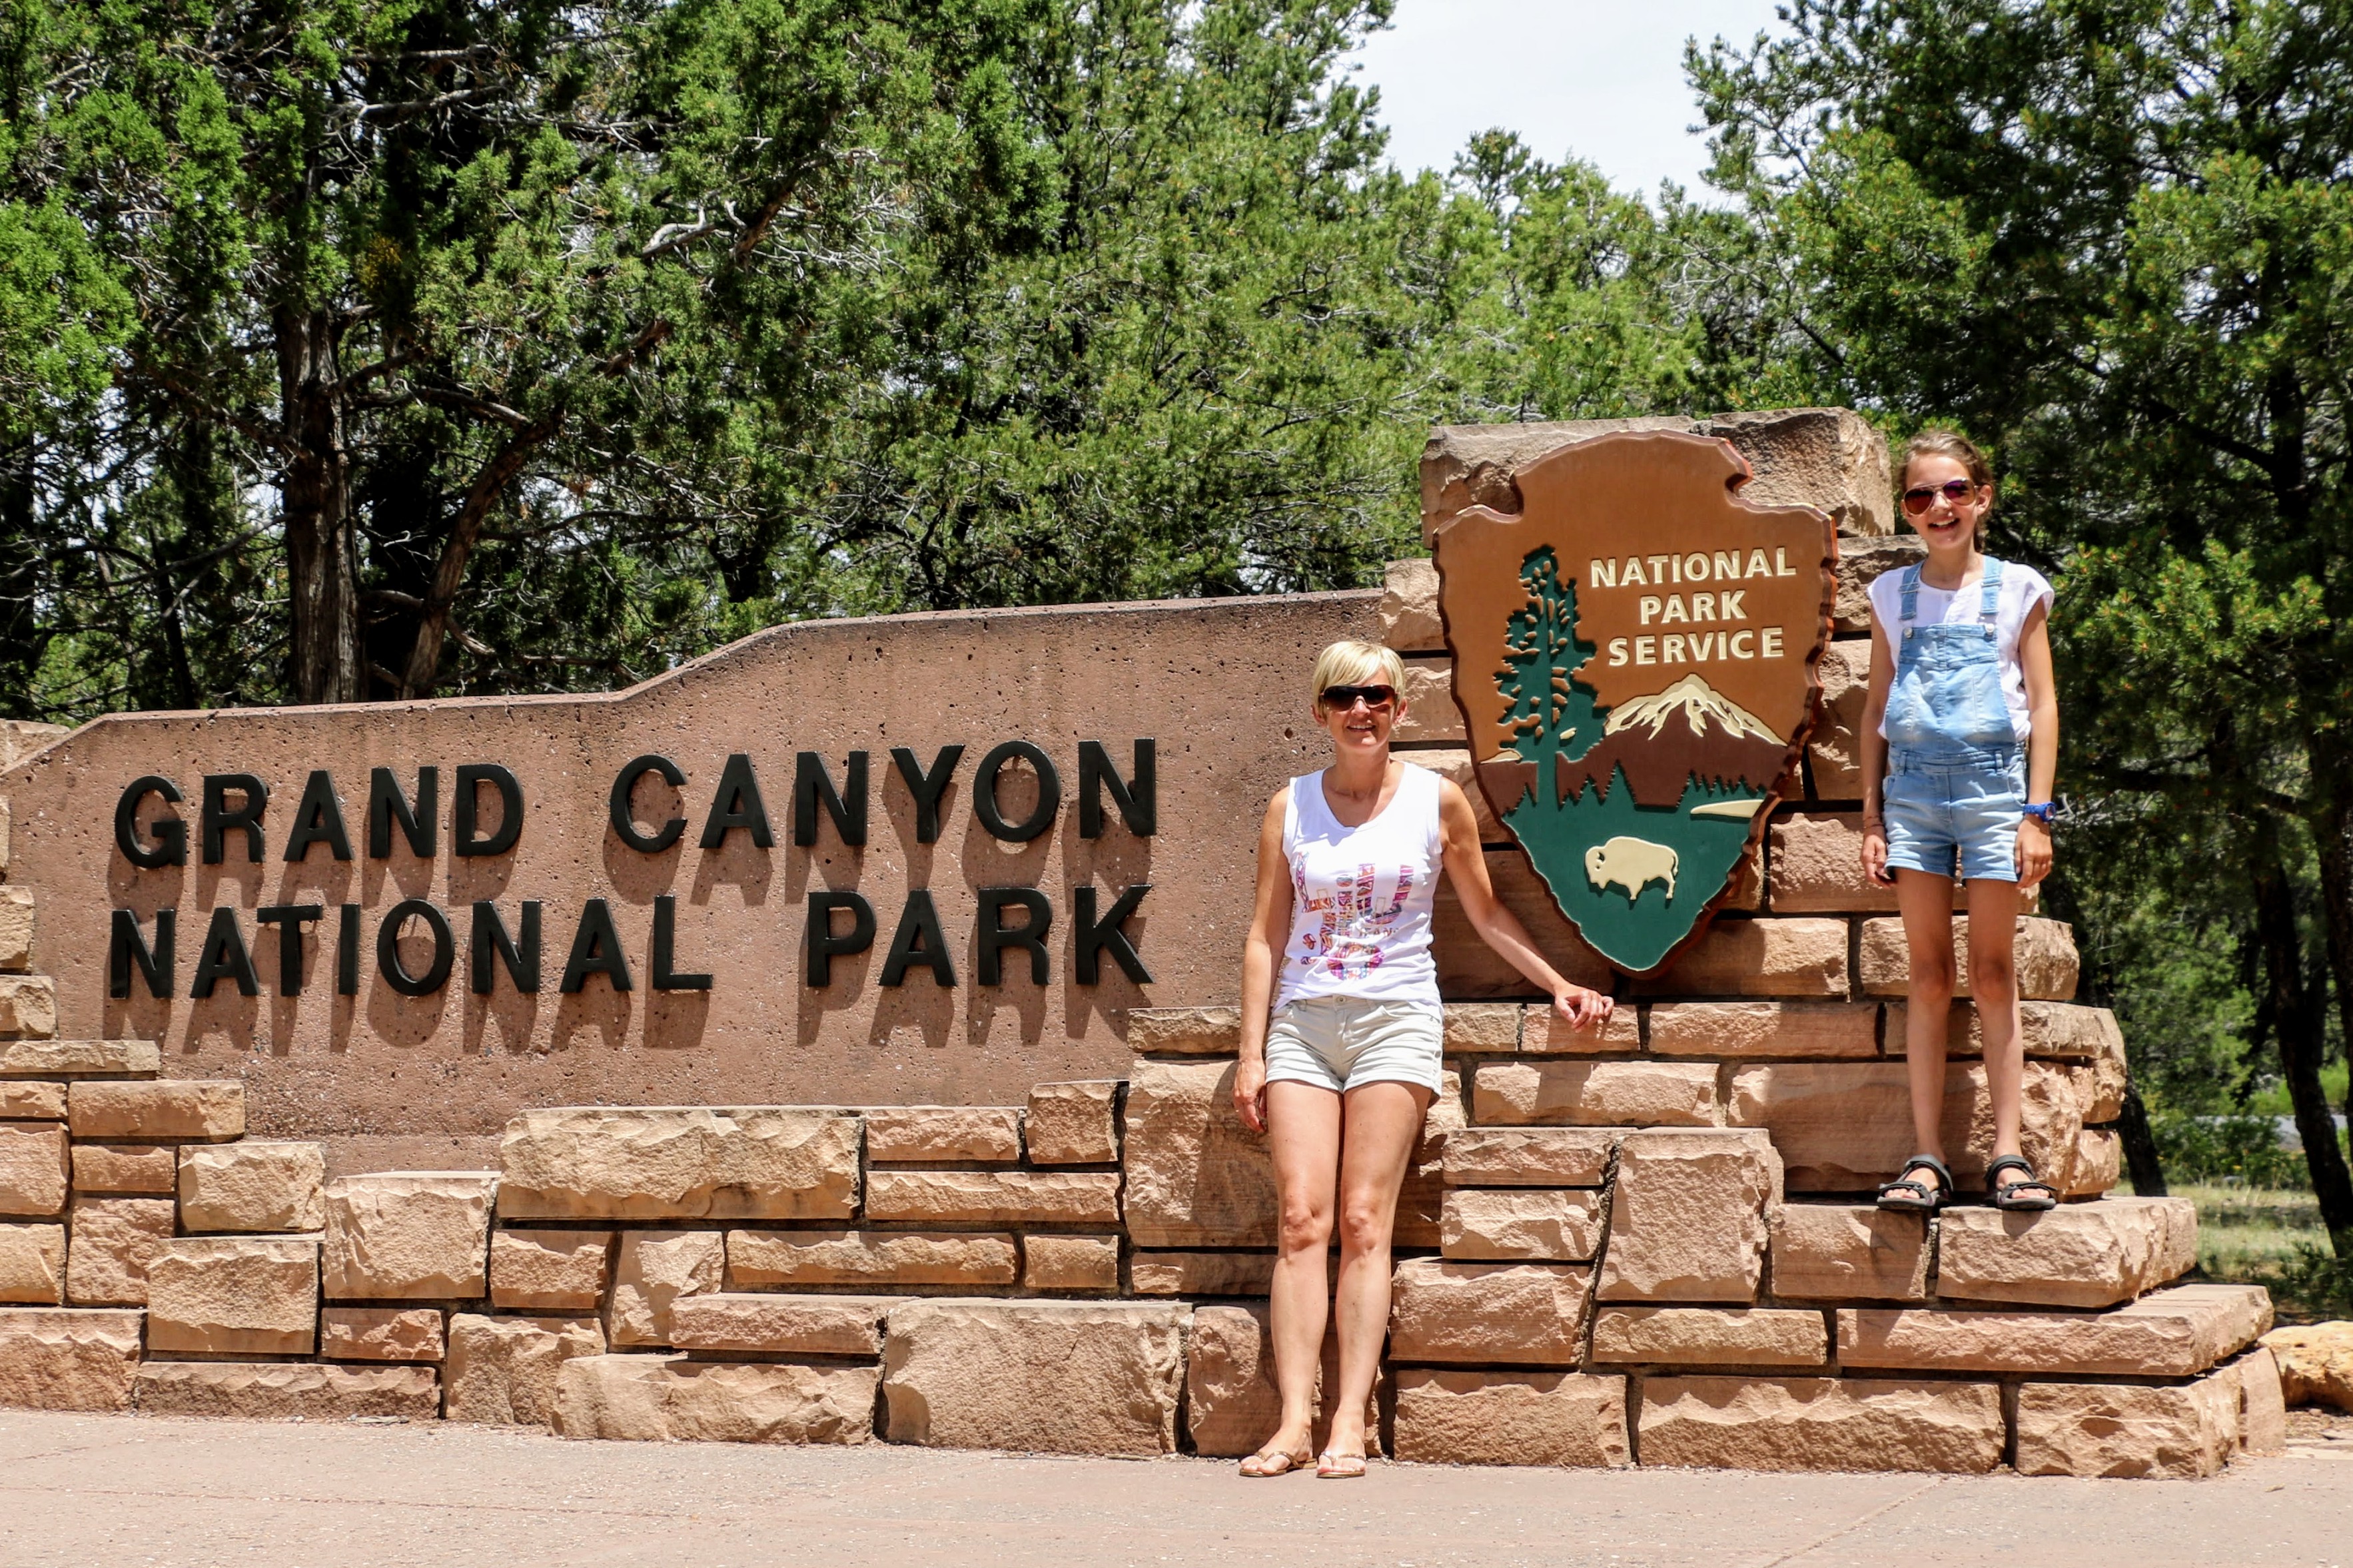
<point x="2045" y="813"/>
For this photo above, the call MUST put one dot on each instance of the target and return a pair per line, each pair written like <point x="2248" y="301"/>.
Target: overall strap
<point x="1989" y="592"/>
<point x="1909" y="585"/>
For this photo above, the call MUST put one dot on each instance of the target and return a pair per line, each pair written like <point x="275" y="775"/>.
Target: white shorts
<point x="1342" y="1043"/>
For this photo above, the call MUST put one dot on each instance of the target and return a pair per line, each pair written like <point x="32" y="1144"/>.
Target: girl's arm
<point x="2042" y="741"/>
<point x="1270" y="927"/>
<point x="1873" y="749"/>
<point x="1466" y="869"/>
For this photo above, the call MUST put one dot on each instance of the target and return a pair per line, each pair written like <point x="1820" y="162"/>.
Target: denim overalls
<point x="1956" y="773"/>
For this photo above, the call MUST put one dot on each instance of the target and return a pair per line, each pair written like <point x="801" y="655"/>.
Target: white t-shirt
<point x="2023" y="588"/>
<point x="1361" y="897"/>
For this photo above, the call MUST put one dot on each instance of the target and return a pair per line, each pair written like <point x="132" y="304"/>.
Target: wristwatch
<point x="2045" y="813"/>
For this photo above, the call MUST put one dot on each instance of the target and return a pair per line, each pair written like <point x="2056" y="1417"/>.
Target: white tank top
<point x="1361" y="897"/>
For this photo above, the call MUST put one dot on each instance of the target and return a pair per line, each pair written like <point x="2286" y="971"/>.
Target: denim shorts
<point x="1342" y="1043"/>
<point x="1937" y="809"/>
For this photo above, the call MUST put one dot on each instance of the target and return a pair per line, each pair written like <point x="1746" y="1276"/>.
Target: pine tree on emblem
<point x="1551" y="718"/>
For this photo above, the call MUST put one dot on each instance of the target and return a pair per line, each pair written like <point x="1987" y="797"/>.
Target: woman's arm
<point x="1873" y="749"/>
<point x="1270" y="929"/>
<point x="1499" y="928"/>
<point x="2042" y="741"/>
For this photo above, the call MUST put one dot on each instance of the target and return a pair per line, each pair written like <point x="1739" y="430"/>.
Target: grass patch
<point x="2267" y="1237"/>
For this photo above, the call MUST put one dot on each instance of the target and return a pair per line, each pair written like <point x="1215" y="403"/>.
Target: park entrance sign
<point x="1635" y="656"/>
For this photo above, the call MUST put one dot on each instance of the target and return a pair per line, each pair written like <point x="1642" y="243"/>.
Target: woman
<point x="1963" y="721"/>
<point x="1341" y="1073"/>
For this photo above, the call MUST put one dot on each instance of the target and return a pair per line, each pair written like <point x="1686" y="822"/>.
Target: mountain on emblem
<point x="1635" y="658"/>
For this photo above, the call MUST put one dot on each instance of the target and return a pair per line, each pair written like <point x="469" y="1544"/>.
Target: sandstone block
<point x="1072" y="1123"/>
<point x="1064" y="1377"/>
<point x="35" y="1168"/>
<point x="924" y="1135"/>
<point x="654" y="1270"/>
<point x="63" y="1358"/>
<point x="503" y="1372"/>
<point x="1071" y="1263"/>
<point x="1529" y="1156"/>
<point x="679" y="1162"/>
<point x="2172" y="1333"/>
<point x="111" y="1243"/>
<point x="1410" y="619"/>
<point x="1543" y="1031"/>
<point x="659" y="1399"/>
<point x="19" y="739"/>
<point x="2262" y="1410"/>
<point x="1710" y="1336"/>
<point x="2100" y="1083"/>
<point x="993" y="1197"/>
<point x="1733" y="1029"/>
<point x="781" y="1325"/>
<point x="16" y="927"/>
<point x="252" y="1185"/>
<point x="28" y="1006"/>
<point x="277" y="1391"/>
<point x="381" y="1333"/>
<point x="2125" y="1429"/>
<point x="1596" y="1094"/>
<point x="2077" y="1254"/>
<point x="2099" y="1163"/>
<point x="1185" y="1031"/>
<point x="66" y="1058"/>
<point x="1821" y="1424"/>
<point x="1834" y="749"/>
<point x="1818" y="865"/>
<point x="1570" y="1419"/>
<point x="33" y="1264"/>
<point x="31" y="1101"/>
<point x="2315" y="1363"/>
<point x="1845" y="1127"/>
<point x="1200" y="1273"/>
<point x="126" y="1169"/>
<point x="760" y="1259"/>
<point x="1843" y="1252"/>
<point x="2052" y="1029"/>
<point x="1530" y="1314"/>
<point x="1862" y="562"/>
<point x="1429" y="711"/>
<point x="1532" y="1225"/>
<point x="410" y="1236"/>
<point x="191" y="1111"/>
<point x="1231" y="1403"/>
<point x="241" y="1294"/>
<point x="1687" y="1216"/>
<point x="2044" y="951"/>
<point x="1775" y="957"/>
<point x="549" y="1270"/>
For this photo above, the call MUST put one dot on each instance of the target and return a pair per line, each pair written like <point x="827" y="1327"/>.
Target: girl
<point x="1964" y="723"/>
<point x="1342" y="1076"/>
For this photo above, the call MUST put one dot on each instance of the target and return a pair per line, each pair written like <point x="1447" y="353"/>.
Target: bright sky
<point x="1601" y="79"/>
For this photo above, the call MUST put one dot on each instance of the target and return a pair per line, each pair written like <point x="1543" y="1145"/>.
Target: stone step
<point x="645" y="1398"/>
<point x="2179" y="1332"/>
<point x="79" y="1058"/>
<point x="2078" y="1255"/>
<point x="780" y="1324"/>
<point x="67" y="1357"/>
<point x="279" y="1390"/>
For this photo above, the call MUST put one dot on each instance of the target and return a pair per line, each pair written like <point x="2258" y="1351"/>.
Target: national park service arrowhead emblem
<point x="1635" y="657"/>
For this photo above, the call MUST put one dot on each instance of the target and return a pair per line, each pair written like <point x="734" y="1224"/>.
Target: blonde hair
<point x="1948" y="444"/>
<point x="1354" y="664"/>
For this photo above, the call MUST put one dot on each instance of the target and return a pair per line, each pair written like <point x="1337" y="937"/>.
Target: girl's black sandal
<point x="2031" y="1195"/>
<point x="1905" y="1195"/>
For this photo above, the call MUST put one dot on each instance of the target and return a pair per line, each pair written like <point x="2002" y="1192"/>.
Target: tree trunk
<point x="21" y="645"/>
<point x="465" y="532"/>
<point x="322" y="543"/>
<point x="2141" y="1159"/>
<point x="2336" y="857"/>
<point x="2296" y="1023"/>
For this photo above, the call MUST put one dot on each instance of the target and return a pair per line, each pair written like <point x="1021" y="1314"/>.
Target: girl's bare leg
<point x="1993" y="987"/>
<point x="1303" y="1129"/>
<point x="1384" y="1124"/>
<point x="1927" y="903"/>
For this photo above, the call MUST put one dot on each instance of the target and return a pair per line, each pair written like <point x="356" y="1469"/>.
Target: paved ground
<point x="137" y="1491"/>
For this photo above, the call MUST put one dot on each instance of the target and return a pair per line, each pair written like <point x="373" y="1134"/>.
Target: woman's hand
<point x="1250" y="1092"/>
<point x="1583" y="1008"/>
<point x="2033" y="852"/>
<point x="1874" y="851"/>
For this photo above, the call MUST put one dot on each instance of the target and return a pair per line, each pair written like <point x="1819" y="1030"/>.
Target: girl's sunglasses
<point x="1375" y="699"/>
<point x="1920" y="497"/>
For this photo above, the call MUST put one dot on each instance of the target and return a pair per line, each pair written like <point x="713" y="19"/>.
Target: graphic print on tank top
<point x="1344" y="935"/>
<point x="1361" y="896"/>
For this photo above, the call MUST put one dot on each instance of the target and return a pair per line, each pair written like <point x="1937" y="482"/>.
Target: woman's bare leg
<point x="1993" y="987"/>
<point x="1384" y="1124"/>
<point x="1303" y="1129"/>
<point x="1926" y="902"/>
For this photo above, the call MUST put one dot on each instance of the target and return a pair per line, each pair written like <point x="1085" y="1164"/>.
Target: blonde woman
<point x="1342" y="1028"/>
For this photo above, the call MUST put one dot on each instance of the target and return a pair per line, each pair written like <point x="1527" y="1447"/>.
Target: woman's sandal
<point x="1905" y="1195"/>
<point x="2030" y="1195"/>
<point x="1332" y="1467"/>
<point x="1268" y="1463"/>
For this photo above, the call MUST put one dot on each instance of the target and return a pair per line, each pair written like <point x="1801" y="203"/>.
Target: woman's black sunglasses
<point x="1340" y="699"/>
